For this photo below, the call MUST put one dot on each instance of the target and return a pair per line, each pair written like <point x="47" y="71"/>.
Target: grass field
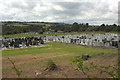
<point x="20" y="25"/>
<point x="53" y="47"/>
<point x="45" y="27"/>
<point x="30" y="35"/>
<point x="35" y="58"/>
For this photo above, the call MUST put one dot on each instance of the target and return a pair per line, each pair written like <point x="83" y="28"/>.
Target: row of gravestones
<point x="102" y="40"/>
<point x="20" y="42"/>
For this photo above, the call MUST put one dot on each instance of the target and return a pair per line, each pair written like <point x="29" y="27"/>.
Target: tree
<point x="75" y="27"/>
<point x="87" y="24"/>
<point x="102" y="24"/>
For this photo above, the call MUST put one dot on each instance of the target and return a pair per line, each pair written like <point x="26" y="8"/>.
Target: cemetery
<point x="102" y="40"/>
<point x="59" y="39"/>
<point x="50" y="56"/>
<point x="21" y="42"/>
<point x="108" y="40"/>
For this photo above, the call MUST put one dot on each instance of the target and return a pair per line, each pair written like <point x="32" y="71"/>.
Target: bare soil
<point x="65" y="69"/>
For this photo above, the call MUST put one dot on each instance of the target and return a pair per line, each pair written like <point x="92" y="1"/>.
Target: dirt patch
<point x="21" y="59"/>
<point x="65" y="69"/>
<point x="51" y="66"/>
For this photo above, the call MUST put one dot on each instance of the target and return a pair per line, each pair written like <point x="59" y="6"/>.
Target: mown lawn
<point x="53" y="47"/>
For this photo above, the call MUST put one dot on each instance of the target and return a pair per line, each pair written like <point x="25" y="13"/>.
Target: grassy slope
<point x="20" y="25"/>
<point x="29" y="35"/>
<point x="53" y="47"/>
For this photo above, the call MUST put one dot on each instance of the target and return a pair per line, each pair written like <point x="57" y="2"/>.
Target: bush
<point x="101" y="69"/>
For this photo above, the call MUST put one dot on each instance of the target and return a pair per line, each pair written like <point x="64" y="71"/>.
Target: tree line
<point x="56" y="27"/>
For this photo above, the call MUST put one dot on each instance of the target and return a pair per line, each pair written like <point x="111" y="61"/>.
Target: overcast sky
<point x="81" y="11"/>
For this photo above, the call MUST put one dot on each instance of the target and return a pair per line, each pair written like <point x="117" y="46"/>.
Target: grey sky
<point x="81" y="11"/>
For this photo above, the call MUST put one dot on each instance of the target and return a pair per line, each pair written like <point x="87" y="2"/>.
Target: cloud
<point x="87" y="11"/>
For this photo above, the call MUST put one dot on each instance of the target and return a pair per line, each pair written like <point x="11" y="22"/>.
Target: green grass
<point x="45" y="27"/>
<point x="20" y="25"/>
<point x="54" y="47"/>
<point x="30" y="35"/>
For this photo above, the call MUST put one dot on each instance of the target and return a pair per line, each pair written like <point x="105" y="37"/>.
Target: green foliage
<point x="82" y="67"/>
<point x="93" y="64"/>
<point x="101" y="72"/>
<point x="20" y="28"/>
<point x="75" y="27"/>
<point x="107" y="67"/>
<point x="102" y="66"/>
<point x="16" y="28"/>
<point x="45" y="27"/>
<point x="18" y="71"/>
<point x="79" y="63"/>
<point x="87" y="68"/>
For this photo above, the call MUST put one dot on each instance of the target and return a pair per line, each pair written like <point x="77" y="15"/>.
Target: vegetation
<point x="35" y="58"/>
<point x="101" y="69"/>
<point x="20" y="25"/>
<point x="18" y="71"/>
<point x="24" y="27"/>
<point x="53" y="47"/>
<point x="11" y="29"/>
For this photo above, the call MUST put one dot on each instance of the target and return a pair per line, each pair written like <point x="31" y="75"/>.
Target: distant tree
<point x="87" y="24"/>
<point x="114" y="25"/>
<point x="102" y="24"/>
<point x="102" y="27"/>
<point x="75" y="27"/>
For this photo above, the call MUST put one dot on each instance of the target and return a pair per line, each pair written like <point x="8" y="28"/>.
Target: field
<point x="20" y="25"/>
<point x="35" y="59"/>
